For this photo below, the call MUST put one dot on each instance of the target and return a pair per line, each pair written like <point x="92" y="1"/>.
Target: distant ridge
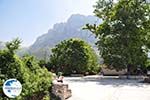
<point x="2" y="45"/>
<point x="61" y="31"/>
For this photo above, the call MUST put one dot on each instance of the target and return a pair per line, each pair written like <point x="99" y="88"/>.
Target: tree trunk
<point x="128" y="70"/>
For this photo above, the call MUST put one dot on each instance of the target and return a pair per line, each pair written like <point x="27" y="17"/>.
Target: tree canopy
<point x="35" y="80"/>
<point x="74" y="56"/>
<point x="124" y="35"/>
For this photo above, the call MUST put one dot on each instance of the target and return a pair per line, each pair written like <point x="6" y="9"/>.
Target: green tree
<point x="13" y="45"/>
<point x="39" y="79"/>
<point x="74" y="56"/>
<point x="124" y="35"/>
<point x="11" y="66"/>
<point x="35" y="80"/>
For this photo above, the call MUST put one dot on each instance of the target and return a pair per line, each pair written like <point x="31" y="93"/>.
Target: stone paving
<point x="97" y="88"/>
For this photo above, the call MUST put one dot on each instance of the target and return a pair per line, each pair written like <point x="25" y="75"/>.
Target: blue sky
<point x="28" y="19"/>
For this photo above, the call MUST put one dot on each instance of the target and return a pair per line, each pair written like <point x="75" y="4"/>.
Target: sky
<point x="28" y="19"/>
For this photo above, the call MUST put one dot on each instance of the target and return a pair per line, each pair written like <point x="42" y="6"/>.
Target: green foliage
<point x="35" y="80"/>
<point x="13" y="45"/>
<point x="124" y="35"/>
<point x="148" y="64"/>
<point x="41" y="78"/>
<point x="11" y="66"/>
<point x="42" y="63"/>
<point x="59" y="74"/>
<point x="45" y="64"/>
<point x="74" y="56"/>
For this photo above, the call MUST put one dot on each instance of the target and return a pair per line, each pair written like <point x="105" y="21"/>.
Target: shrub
<point x="36" y="81"/>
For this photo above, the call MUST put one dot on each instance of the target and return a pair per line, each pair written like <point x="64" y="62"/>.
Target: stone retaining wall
<point x="61" y="90"/>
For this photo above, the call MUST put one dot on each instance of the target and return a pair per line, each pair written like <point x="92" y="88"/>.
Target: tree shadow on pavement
<point x="115" y="82"/>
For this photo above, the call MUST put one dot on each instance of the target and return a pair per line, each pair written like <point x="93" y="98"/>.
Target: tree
<point x="74" y="56"/>
<point x="35" y="80"/>
<point x="11" y="66"/>
<point x="13" y="45"/>
<point x="39" y="80"/>
<point x="124" y="35"/>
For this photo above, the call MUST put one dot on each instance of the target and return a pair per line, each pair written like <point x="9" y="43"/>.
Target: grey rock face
<point x="61" y="31"/>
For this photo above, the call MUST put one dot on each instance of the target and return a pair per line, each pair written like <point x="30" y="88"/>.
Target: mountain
<point x="2" y="45"/>
<point x="61" y="31"/>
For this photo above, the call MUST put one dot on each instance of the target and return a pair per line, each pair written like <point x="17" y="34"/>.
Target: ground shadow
<point x="115" y="82"/>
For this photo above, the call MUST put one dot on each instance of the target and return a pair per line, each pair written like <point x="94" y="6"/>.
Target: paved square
<point x="107" y="89"/>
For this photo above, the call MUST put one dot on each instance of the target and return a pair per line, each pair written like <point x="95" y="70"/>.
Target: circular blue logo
<point x="12" y="88"/>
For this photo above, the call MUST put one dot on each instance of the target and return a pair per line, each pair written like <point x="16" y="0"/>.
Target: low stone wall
<point x="77" y="75"/>
<point x="132" y="77"/>
<point x="61" y="90"/>
<point x="147" y="80"/>
<point x="107" y="71"/>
